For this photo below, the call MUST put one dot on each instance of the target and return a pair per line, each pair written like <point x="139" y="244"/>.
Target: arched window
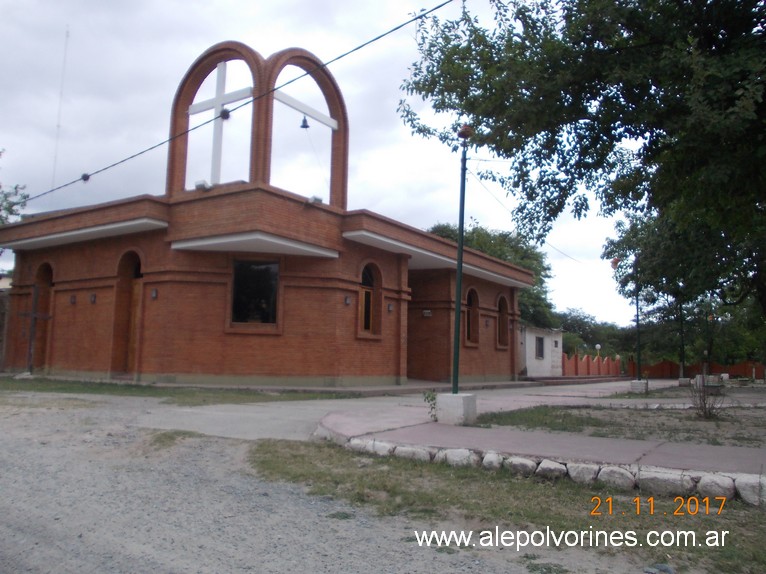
<point x="472" y="316"/>
<point x="502" y="322"/>
<point x="370" y="300"/>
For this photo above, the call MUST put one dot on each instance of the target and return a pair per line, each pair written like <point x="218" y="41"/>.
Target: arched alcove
<point x="40" y="318"/>
<point x="127" y="302"/>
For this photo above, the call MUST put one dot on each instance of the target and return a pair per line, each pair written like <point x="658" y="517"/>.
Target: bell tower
<point x="261" y="96"/>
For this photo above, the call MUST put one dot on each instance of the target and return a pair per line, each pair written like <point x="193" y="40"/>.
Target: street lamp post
<point x="708" y="317"/>
<point x="638" y="336"/>
<point x="464" y="134"/>
<point x="682" y="354"/>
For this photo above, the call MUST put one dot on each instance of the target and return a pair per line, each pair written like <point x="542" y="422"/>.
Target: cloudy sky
<point x="87" y="83"/>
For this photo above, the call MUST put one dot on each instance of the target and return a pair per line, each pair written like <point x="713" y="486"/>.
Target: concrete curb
<point x="649" y="480"/>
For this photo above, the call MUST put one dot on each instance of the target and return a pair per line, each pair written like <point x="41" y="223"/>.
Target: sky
<point x="88" y="83"/>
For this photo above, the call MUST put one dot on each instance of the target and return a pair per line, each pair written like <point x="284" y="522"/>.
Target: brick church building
<point x="246" y="283"/>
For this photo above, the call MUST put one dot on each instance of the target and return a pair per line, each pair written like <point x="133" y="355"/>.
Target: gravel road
<point x="82" y="490"/>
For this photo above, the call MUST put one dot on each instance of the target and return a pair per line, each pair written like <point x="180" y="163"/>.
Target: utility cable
<point x="86" y="176"/>
<point x="493" y="196"/>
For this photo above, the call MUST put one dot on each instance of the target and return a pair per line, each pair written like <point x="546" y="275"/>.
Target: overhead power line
<point x="504" y="206"/>
<point x="87" y="175"/>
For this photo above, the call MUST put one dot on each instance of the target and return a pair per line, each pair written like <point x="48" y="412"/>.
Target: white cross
<point x="217" y="104"/>
<point x="221" y="98"/>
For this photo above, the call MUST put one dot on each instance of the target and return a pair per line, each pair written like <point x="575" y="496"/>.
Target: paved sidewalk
<point x="405" y="420"/>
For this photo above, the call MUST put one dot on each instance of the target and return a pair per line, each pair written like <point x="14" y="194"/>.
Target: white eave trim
<point x="88" y="234"/>
<point x="254" y="242"/>
<point x="423" y="259"/>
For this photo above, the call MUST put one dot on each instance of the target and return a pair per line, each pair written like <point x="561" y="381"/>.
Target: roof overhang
<point x="138" y="225"/>
<point x="424" y="259"/>
<point x="254" y="242"/>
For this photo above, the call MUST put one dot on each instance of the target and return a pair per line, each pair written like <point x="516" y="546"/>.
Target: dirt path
<point x="83" y="490"/>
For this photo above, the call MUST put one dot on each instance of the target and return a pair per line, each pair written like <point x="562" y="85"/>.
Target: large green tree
<point x="685" y="277"/>
<point x="653" y="107"/>
<point x="582" y="332"/>
<point x="534" y="306"/>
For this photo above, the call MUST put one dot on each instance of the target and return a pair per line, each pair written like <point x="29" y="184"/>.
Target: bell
<point x="305" y="124"/>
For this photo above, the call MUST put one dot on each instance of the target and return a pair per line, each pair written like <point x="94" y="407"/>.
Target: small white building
<point x="540" y="351"/>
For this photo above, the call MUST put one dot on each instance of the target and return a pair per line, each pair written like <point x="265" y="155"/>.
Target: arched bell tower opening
<point x="219" y="149"/>
<point x="301" y="140"/>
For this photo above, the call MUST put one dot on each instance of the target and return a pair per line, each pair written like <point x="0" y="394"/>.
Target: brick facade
<point x="142" y="288"/>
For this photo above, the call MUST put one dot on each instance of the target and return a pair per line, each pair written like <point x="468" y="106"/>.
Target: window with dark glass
<point x="368" y="290"/>
<point x="254" y="297"/>
<point x="472" y="317"/>
<point x="539" y="348"/>
<point x="502" y="322"/>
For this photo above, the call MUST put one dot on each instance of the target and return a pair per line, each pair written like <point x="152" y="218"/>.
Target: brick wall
<point x="431" y="328"/>
<point x="186" y="330"/>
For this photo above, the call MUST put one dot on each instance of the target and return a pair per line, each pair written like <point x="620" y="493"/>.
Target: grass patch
<point x="663" y="393"/>
<point x="543" y="567"/>
<point x="168" y="439"/>
<point x="42" y="402"/>
<point x="394" y="486"/>
<point x="735" y="426"/>
<point x="477" y="499"/>
<point x="184" y="396"/>
<point x="341" y="515"/>
<point x="549" y="418"/>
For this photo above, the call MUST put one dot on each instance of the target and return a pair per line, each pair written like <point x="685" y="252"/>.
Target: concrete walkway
<point x="404" y="420"/>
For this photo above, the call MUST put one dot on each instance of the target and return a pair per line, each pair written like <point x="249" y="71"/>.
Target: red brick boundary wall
<point x="671" y="370"/>
<point x="587" y="366"/>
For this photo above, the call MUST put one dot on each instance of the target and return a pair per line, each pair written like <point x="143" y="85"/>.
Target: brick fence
<point x="671" y="369"/>
<point x="577" y="366"/>
<point x="586" y="366"/>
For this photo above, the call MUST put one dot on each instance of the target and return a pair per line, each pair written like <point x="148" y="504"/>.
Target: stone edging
<point x="750" y="488"/>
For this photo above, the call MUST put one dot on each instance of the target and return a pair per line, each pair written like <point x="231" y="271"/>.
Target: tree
<point x="686" y="271"/>
<point x="582" y="333"/>
<point x="12" y="200"/>
<point x="534" y="306"/>
<point x="655" y="108"/>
